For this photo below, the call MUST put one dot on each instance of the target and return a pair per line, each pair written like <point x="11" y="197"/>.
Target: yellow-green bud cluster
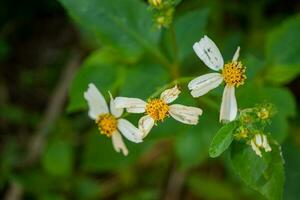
<point x="162" y="12"/>
<point x="265" y="111"/>
<point x="251" y="125"/>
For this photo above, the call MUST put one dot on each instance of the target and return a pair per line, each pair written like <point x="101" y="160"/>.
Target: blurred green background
<point x="50" y="51"/>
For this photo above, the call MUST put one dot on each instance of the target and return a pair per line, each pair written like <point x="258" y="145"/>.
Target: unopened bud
<point x="155" y="3"/>
<point x="242" y="133"/>
<point x="263" y="114"/>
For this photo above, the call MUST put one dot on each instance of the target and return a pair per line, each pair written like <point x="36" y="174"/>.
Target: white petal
<point x="236" y="54"/>
<point x="209" y="53"/>
<point x="96" y="101"/>
<point x="170" y="95"/>
<point x="132" y="105"/>
<point x="129" y="131"/>
<point x="118" y="143"/>
<point x="145" y="125"/>
<point x="255" y="148"/>
<point x="258" y="140"/>
<point x="203" y="84"/>
<point x="228" y="106"/>
<point x="265" y="144"/>
<point x="117" y="112"/>
<point x="185" y="114"/>
<point x="268" y="148"/>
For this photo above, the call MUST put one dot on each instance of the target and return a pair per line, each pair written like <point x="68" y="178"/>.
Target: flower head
<point x="158" y="109"/>
<point x="108" y="120"/>
<point x="107" y="124"/>
<point x="232" y="73"/>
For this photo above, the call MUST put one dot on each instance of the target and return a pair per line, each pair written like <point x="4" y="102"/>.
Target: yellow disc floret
<point x="107" y="124"/>
<point x="157" y="109"/>
<point x="234" y="73"/>
<point x="263" y="114"/>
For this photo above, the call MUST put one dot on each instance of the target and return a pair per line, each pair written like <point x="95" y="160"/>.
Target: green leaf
<point x="206" y="187"/>
<point x="9" y="156"/>
<point x="254" y="66"/>
<point x="99" y="154"/>
<point x="30" y="179"/>
<point x="126" y="24"/>
<point x="58" y="159"/>
<point x="5" y="49"/>
<point x="222" y="140"/>
<point x="176" y="2"/>
<point x="142" y="80"/>
<point x="192" y="143"/>
<point x="101" y="68"/>
<point x="282" y="74"/>
<point x="265" y="175"/>
<point x="189" y="28"/>
<point x="87" y="188"/>
<point x="52" y="197"/>
<point x="12" y="113"/>
<point x="291" y="153"/>
<point x="142" y="193"/>
<point x="282" y="51"/>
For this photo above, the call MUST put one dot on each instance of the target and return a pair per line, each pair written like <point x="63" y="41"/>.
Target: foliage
<point x="146" y="47"/>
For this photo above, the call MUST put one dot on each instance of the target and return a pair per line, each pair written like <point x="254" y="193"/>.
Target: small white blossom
<point x="109" y="122"/>
<point x="232" y="74"/>
<point x="158" y="109"/>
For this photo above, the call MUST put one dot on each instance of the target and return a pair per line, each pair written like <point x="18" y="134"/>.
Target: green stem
<point x="174" y="44"/>
<point x="150" y="48"/>
<point x="175" y="68"/>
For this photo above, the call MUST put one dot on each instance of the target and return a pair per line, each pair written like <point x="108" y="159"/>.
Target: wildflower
<point x="260" y="141"/>
<point x="109" y="122"/>
<point x="232" y="73"/>
<point x="158" y="109"/>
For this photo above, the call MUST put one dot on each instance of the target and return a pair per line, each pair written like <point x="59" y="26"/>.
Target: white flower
<point x="158" y="109"/>
<point x="232" y="73"/>
<point x="109" y="122"/>
<point x="260" y="141"/>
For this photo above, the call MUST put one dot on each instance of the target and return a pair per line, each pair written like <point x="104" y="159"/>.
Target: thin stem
<point x="174" y="44"/>
<point x="157" y="54"/>
<point x="175" y="68"/>
<point x="150" y="48"/>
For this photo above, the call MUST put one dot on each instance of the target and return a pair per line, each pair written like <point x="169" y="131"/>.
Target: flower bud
<point x="155" y="3"/>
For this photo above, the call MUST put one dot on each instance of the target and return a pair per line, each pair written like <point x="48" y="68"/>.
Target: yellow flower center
<point x="263" y="114"/>
<point x="107" y="124"/>
<point x="155" y="3"/>
<point x="157" y="109"/>
<point x="234" y="73"/>
<point x="242" y="133"/>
